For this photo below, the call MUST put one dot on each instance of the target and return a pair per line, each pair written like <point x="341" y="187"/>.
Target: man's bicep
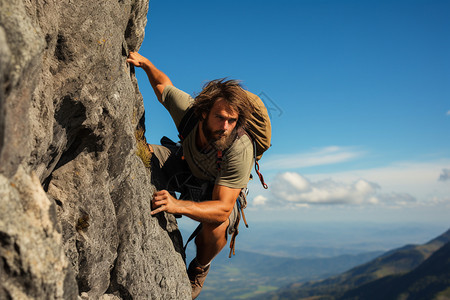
<point x="160" y="89"/>
<point x="226" y="195"/>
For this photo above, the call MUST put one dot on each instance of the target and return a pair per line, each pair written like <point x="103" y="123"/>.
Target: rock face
<point x="74" y="196"/>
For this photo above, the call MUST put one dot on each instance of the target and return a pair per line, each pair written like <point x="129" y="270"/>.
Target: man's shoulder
<point x="172" y="93"/>
<point x="242" y="144"/>
<point x="244" y="139"/>
<point x="177" y="102"/>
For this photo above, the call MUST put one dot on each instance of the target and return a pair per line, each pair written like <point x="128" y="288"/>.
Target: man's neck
<point x="200" y="139"/>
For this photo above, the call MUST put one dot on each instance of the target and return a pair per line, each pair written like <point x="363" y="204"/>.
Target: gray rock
<point x="75" y="219"/>
<point x="33" y="264"/>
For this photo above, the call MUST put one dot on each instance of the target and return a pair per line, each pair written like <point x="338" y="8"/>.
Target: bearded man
<point x="216" y="150"/>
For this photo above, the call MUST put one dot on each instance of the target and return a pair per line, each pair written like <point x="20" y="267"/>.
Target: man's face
<point x="219" y="125"/>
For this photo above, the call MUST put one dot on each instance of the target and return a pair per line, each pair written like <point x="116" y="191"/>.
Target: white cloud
<point x="323" y="156"/>
<point x="296" y="181"/>
<point x="293" y="189"/>
<point x="259" y="200"/>
<point x="419" y="179"/>
<point x="448" y="113"/>
<point x="445" y="175"/>
<point x="408" y="191"/>
<point x="400" y="199"/>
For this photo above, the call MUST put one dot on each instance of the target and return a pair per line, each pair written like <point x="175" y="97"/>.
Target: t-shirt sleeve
<point x="176" y="102"/>
<point x="239" y="161"/>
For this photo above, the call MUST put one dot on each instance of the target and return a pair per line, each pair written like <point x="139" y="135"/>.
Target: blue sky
<point x="359" y="95"/>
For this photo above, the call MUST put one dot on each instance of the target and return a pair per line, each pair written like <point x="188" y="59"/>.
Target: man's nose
<point x="225" y="125"/>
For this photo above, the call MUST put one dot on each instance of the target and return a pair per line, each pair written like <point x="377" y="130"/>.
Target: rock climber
<point x="215" y="151"/>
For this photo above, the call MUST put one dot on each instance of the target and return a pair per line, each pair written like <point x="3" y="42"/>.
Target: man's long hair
<point x="229" y="90"/>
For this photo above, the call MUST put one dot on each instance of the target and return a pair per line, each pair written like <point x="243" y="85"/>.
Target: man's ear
<point x="204" y="116"/>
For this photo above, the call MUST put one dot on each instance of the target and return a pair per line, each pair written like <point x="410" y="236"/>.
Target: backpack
<point x="259" y="127"/>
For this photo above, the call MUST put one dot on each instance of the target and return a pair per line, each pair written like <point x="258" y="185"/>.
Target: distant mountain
<point x="395" y="262"/>
<point x="430" y="280"/>
<point x="248" y="274"/>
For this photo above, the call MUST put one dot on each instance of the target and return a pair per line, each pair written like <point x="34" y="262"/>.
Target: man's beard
<point x="218" y="139"/>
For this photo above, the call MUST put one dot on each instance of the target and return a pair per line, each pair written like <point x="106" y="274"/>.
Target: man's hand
<point x="163" y="201"/>
<point x="157" y="78"/>
<point x="137" y="60"/>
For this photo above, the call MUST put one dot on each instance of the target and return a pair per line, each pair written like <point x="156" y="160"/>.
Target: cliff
<point x="74" y="194"/>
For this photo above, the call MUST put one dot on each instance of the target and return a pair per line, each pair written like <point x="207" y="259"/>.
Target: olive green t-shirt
<point x="237" y="160"/>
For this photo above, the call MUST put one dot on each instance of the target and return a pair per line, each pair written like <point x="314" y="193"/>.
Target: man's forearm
<point x="212" y="211"/>
<point x="157" y="78"/>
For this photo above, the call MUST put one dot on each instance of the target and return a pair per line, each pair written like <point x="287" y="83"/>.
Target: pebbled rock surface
<point x="74" y="196"/>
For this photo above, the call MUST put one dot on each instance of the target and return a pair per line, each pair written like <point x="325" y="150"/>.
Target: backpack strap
<point x="187" y="124"/>
<point x="241" y="203"/>
<point x="261" y="177"/>
<point x="193" y="235"/>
